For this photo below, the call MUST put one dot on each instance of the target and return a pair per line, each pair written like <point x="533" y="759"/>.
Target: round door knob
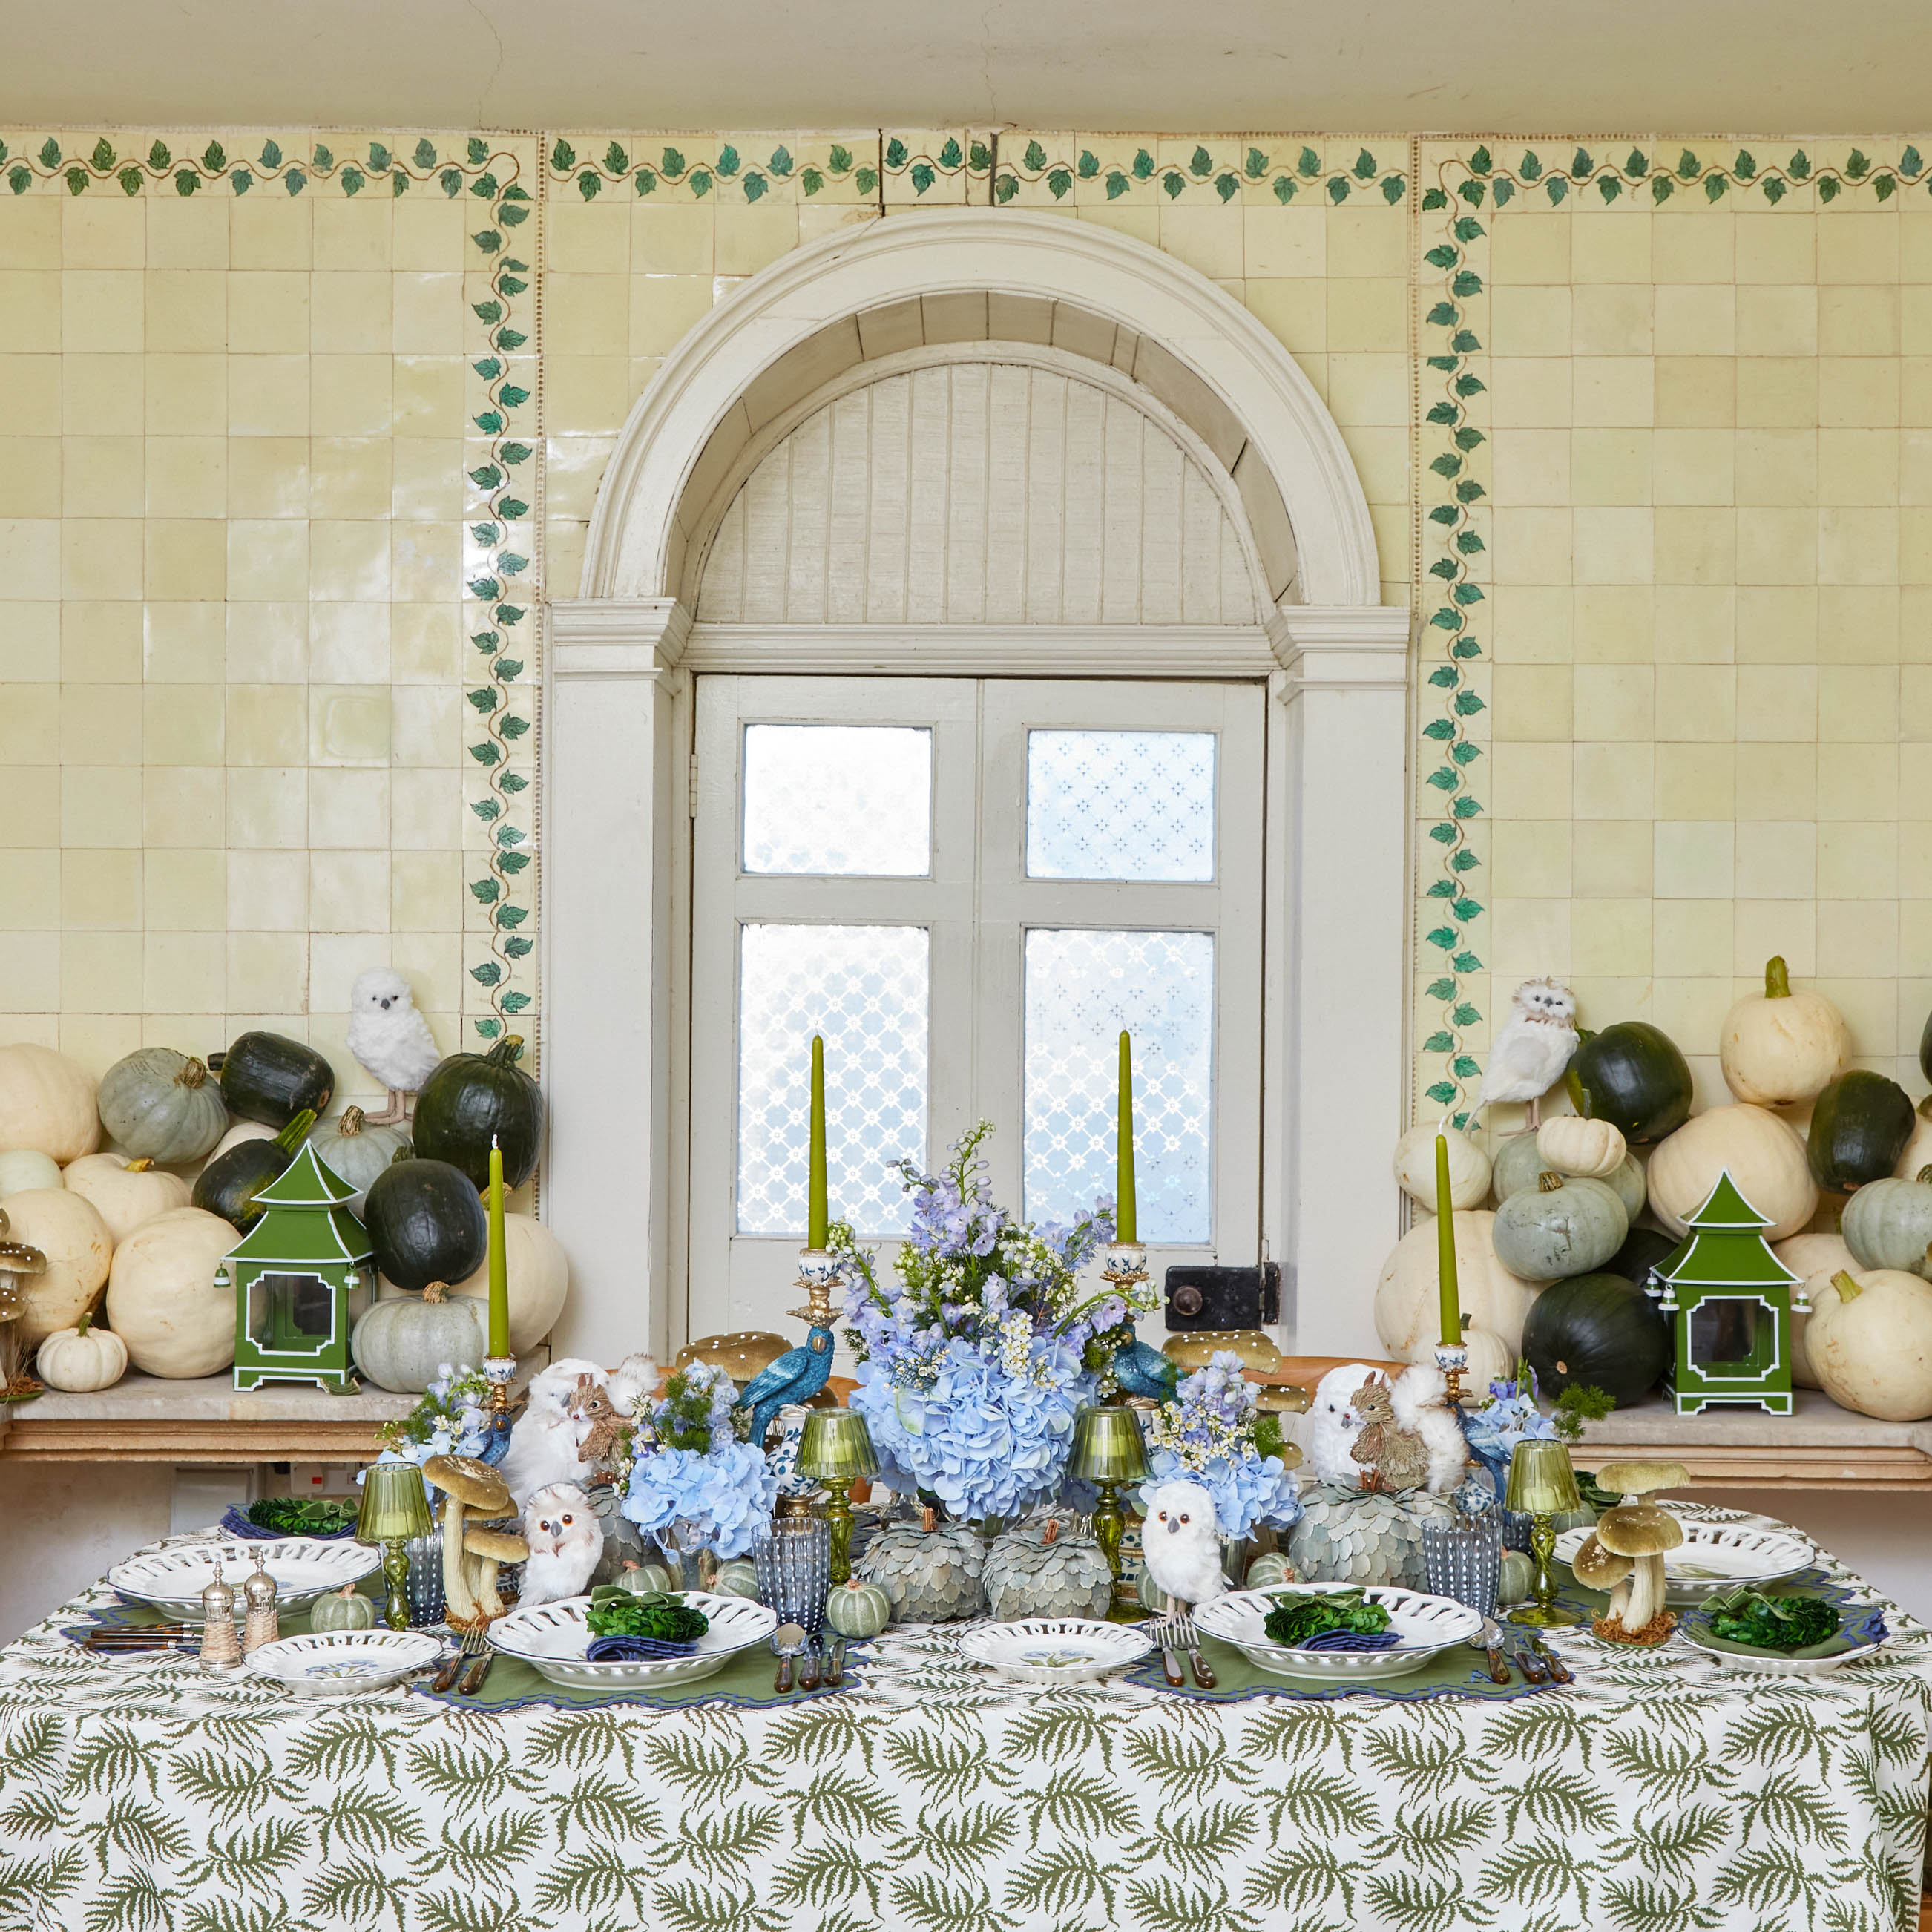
<point x="1185" y="1300"/>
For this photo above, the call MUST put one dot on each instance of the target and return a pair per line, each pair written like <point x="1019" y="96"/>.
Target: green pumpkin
<point x="160" y="1104"/>
<point x="1633" y="1075"/>
<point x="403" y="1343"/>
<point x="473" y="1098"/>
<point x="1629" y="1186"/>
<point x="1860" y="1124"/>
<point x="344" y="1609"/>
<point x="426" y="1223"/>
<point x="1643" y="1249"/>
<point x="737" y="1578"/>
<point x="269" y="1078"/>
<point x="649" y="1579"/>
<point x="1270" y="1571"/>
<point x="1887" y="1224"/>
<point x="1518" y="1578"/>
<point x="1562" y="1226"/>
<point x="858" y="1609"/>
<point x="1597" y="1331"/>
<point x="355" y="1151"/>
<point x="1515" y="1166"/>
<point x="228" y="1185"/>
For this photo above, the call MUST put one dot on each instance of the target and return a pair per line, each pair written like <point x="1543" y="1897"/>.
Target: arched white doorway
<point x="1101" y="316"/>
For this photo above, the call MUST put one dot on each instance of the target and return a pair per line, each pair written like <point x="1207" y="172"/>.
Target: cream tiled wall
<point x="286" y="457"/>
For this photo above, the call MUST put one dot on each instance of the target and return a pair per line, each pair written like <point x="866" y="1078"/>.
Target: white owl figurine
<point x="1534" y="1046"/>
<point x="391" y="1039"/>
<point x="1181" y="1541"/>
<point x="565" y="1539"/>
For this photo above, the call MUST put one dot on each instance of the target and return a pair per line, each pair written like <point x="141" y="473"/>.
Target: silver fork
<point x="472" y="1646"/>
<point x="1204" y="1674"/>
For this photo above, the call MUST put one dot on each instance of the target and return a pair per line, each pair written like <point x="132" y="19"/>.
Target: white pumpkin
<point x="127" y="1193"/>
<point x="1917" y="1152"/>
<point x="1780" y="1048"/>
<point x="46" y="1103"/>
<point x="1816" y="1258"/>
<point x="23" y="1168"/>
<point x="1585" y="1149"/>
<point x="1870" y="1341"/>
<point x="1495" y="1300"/>
<point x="161" y="1296"/>
<point x="539" y="1278"/>
<point x="83" y="1359"/>
<point x="1765" y="1157"/>
<point x="68" y="1230"/>
<point x="1415" y="1167"/>
<point x="1490" y="1361"/>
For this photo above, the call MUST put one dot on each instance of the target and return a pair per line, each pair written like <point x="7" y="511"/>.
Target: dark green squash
<point x="270" y="1078"/>
<point x="1597" y="1331"/>
<point x="228" y="1185"/>
<point x="1925" y="1049"/>
<point x="425" y="1222"/>
<point x="1860" y="1124"/>
<point x="1642" y="1250"/>
<point x="473" y="1097"/>
<point x="1632" y="1075"/>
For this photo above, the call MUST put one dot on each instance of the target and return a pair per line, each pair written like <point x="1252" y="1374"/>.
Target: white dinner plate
<point x="341" y="1663"/>
<point x="1716" y="1556"/>
<point x="551" y="1638"/>
<point x="1424" y="1625"/>
<point x="1054" y="1650"/>
<point x="304" y="1568"/>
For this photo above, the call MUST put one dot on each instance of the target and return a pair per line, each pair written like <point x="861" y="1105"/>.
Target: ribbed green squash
<point x="1887" y="1224"/>
<point x="1559" y="1227"/>
<point x="647" y="1579"/>
<point x="1642" y="1250"/>
<point x="1860" y="1124"/>
<point x="1514" y="1166"/>
<point x="344" y="1609"/>
<point x="270" y="1078"/>
<point x="1632" y="1075"/>
<point x="1597" y="1331"/>
<point x="1269" y="1570"/>
<point x="858" y="1609"/>
<point x="160" y="1104"/>
<point x="425" y="1221"/>
<point x="228" y="1185"/>
<point x="473" y="1096"/>
<point x="737" y="1578"/>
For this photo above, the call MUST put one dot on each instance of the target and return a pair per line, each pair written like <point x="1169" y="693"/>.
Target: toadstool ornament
<point x="492" y="1548"/>
<point x="1597" y="1568"/>
<point x="17" y="1261"/>
<point x="467" y="1484"/>
<point x="1642" y="1532"/>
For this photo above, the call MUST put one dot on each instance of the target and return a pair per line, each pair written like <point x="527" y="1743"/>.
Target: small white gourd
<point x="1589" y="1150"/>
<point x="1780" y="1048"/>
<point x="23" y="1168"/>
<point x="83" y="1358"/>
<point x="1415" y="1166"/>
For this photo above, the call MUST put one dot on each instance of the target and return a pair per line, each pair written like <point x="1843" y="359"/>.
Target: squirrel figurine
<point x="600" y="1426"/>
<point x="1399" y="1457"/>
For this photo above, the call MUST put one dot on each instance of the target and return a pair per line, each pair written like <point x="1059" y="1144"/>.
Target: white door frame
<point x="617" y="737"/>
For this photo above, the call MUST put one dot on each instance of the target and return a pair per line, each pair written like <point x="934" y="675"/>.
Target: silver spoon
<point x="788" y="1640"/>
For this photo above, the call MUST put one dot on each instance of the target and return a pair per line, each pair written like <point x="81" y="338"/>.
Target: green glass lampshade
<point x="836" y="1447"/>
<point x="1107" y="1446"/>
<point x="394" y="1504"/>
<point x="1541" y="1480"/>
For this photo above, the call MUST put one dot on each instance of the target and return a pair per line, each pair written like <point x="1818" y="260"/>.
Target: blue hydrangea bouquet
<point x="974" y="1362"/>
<point x="1206" y="1435"/>
<point x="696" y="1485"/>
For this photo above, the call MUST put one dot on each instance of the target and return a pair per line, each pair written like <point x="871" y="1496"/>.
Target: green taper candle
<point x="1124" y="1217"/>
<point x="816" y="1221"/>
<point x="1445" y="1247"/>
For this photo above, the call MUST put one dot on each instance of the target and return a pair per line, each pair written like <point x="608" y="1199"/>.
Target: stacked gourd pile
<point x="132" y="1234"/>
<point x="1835" y="1158"/>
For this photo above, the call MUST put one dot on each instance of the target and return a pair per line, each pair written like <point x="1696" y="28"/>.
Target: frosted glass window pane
<point x="1120" y="805"/>
<point x="853" y="801"/>
<point x="1082" y="989"/>
<point x="865" y="988"/>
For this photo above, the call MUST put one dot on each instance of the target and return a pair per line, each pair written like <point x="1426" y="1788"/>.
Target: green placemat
<point x="1458" y="1672"/>
<point x="746" y="1680"/>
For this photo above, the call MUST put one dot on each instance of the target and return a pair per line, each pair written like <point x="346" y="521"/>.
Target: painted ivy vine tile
<point x="742" y="169"/>
<point x="1046" y="168"/>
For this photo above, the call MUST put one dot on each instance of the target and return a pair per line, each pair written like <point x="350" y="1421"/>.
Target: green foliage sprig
<point x="616" y="1611"/>
<point x="1298" y="1615"/>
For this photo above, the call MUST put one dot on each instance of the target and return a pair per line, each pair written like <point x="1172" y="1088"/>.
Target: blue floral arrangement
<point x="1206" y="1435"/>
<point x="973" y="1363"/>
<point x="697" y="1486"/>
<point x="451" y="1420"/>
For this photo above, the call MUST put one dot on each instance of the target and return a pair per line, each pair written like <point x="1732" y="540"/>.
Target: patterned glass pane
<point x="1120" y="804"/>
<point x="850" y="800"/>
<point x="1082" y="989"/>
<point x="865" y="988"/>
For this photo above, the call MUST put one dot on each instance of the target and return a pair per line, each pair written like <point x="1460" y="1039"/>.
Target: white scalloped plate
<point x="1054" y="1650"/>
<point x="304" y="1568"/>
<point x="1716" y="1556"/>
<point x="551" y="1639"/>
<point x="342" y="1664"/>
<point x="1424" y="1625"/>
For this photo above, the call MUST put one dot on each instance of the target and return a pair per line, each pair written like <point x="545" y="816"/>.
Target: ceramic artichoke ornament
<point x="931" y="1572"/>
<point x="1364" y="1536"/>
<point x="1041" y="1569"/>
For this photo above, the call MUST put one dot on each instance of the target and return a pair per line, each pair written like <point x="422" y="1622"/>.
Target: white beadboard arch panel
<point x="926" y="277"/>
<point x="1010" y="486"/>
<point x="1048" y="296"/>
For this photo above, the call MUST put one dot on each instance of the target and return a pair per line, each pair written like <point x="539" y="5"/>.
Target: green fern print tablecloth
<point x="1661" y="1794"/>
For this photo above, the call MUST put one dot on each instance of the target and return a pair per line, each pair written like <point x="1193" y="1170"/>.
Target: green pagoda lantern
<point x="1730" y="1300"/>
<point x="301" y="1275"/>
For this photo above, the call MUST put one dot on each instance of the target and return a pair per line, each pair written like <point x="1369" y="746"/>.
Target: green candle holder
<point x="1542" y="1484"/>
<point x="1109" y="1450"/>
<point x="395" y="1506"/>
<point x="836" y="1447"/>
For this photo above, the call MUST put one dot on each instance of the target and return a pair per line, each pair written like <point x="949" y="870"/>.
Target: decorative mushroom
<point x="17" y="1261"/>
<point x="467" y="1484"/>
<point x="1597" y="1568"/>
<point x="1642" y="1532"/>
<point x="490" y="1547"/>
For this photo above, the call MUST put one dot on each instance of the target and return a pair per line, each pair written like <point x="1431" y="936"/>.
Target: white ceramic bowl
<point x="304" y="1568"/>
<point x="341" y="1663"/>
<point x="1054" y="1650"/>
<point x="1423" y="1626"/>
<point x="1716" y="1556"/>
<point x="551" y="1639"/>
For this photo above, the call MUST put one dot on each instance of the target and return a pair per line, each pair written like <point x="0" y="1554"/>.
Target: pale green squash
<point x="858" y="1609"/>
<point x="343" y="1609"/>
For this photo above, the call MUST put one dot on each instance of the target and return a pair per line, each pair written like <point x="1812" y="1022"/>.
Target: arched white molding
<point x="639" y="534"/>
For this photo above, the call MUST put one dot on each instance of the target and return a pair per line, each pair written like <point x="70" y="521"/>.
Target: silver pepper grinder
<point x="264" y="1624"/>
<point x="221" y="1648"/>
